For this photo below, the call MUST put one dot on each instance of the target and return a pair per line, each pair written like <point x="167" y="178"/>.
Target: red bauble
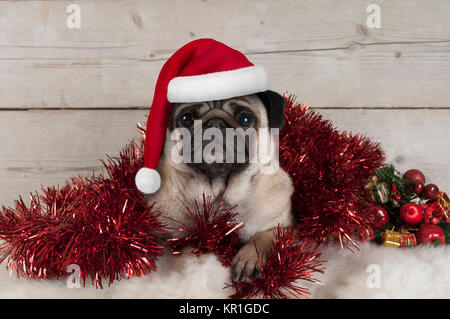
<point x="435" y="220"/>
<point x="430" y="234"/>
<point x="427" y="211"/>
<point x="411" y="213"/>
<point x="418" y="188"/>
<point x="431" y="191"/>
<point x="414" y="175"/>
<point x="381" y="217"/>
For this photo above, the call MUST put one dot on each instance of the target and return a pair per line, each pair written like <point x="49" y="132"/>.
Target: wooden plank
<point x="410" y="138"/>
<point x="138" y="29"/>
<point x="47" y="147"/>
<point x="392" y="75"/>
<point x="77" y="84"/>
<point x="308" y="47"/>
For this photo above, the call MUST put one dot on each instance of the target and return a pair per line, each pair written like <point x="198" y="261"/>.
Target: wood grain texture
<point x="139" y="28"/>
<point x="320" y="50"/>
<point x="308" y="47"/>
<point x="47" y="147"/>
<point x="409" y="138"/>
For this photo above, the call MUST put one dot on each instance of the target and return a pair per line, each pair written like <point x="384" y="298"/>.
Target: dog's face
<point x="222" y="133"/>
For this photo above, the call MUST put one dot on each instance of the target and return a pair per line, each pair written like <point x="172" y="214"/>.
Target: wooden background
<point x="70" y="96"/>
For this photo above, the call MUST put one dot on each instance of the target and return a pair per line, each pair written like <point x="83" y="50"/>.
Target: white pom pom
<point x="148" y="180"/>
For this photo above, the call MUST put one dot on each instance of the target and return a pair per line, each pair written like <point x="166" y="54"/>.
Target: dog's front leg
<point x="252" y="256"/>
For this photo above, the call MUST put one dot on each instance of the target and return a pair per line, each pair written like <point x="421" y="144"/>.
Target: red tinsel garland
<point x="212" y="230"/>
<point x="329" y="170"/>
<point x="104" y="225"/>
<point x="291" y="260"/>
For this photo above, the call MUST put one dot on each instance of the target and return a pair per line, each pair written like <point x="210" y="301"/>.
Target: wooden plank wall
<point x="70" y="96"/>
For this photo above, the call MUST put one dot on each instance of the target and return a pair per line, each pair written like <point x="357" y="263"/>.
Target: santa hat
<point x="202" y="70"/>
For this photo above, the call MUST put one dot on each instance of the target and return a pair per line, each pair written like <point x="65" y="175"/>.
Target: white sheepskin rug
<point x="371" y="272"/>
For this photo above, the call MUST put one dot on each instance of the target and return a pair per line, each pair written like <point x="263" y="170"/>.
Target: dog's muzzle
<point x="217" y="123"/>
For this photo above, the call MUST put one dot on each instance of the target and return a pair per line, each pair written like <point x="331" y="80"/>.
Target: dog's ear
<point x="275" y="105"/>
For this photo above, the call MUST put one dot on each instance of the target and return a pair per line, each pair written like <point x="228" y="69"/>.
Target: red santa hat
<point x="202" y="70"/>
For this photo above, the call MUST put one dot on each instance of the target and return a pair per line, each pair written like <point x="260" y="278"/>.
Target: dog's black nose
<point x="217" y="123"/>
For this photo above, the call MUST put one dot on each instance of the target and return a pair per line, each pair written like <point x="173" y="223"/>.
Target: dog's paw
<point x="246" y="263"/>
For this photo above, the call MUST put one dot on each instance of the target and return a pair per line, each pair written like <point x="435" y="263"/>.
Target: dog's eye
<point x="186" y="119"/>
<point x="245" y="119"/>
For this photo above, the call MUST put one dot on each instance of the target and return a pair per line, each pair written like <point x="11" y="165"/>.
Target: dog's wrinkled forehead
<point x="249" y="103"/>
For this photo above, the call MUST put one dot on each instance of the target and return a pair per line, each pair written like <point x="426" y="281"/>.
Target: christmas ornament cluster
<point x="103" y="224"/>
<point x="406" y="211"/>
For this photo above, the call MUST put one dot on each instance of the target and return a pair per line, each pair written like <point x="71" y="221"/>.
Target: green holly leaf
<point x="391" y="176"/>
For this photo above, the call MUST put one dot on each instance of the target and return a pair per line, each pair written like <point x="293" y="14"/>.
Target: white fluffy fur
<point x="217" y="86"/>
<point x="148" y="180"/>
<point x="420" y="272"/>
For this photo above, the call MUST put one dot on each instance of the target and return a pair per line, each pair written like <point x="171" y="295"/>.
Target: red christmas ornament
<point x="435" y="211"/>
<point x="395" y="196"/>
<point x="411" y="213"/>
<point x="427" y="211"/>
<point x="435" y="220"/>
<point x="430" y="234"/>
<point x="414" y="175"/>
<point x="381" y="217"/>
<point x="418" y="188"/>
<point x="431" y="191"/>
<point x="367" y="235"/>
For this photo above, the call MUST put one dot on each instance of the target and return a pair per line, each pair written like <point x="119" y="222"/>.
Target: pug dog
<point x="262" y="197"/>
